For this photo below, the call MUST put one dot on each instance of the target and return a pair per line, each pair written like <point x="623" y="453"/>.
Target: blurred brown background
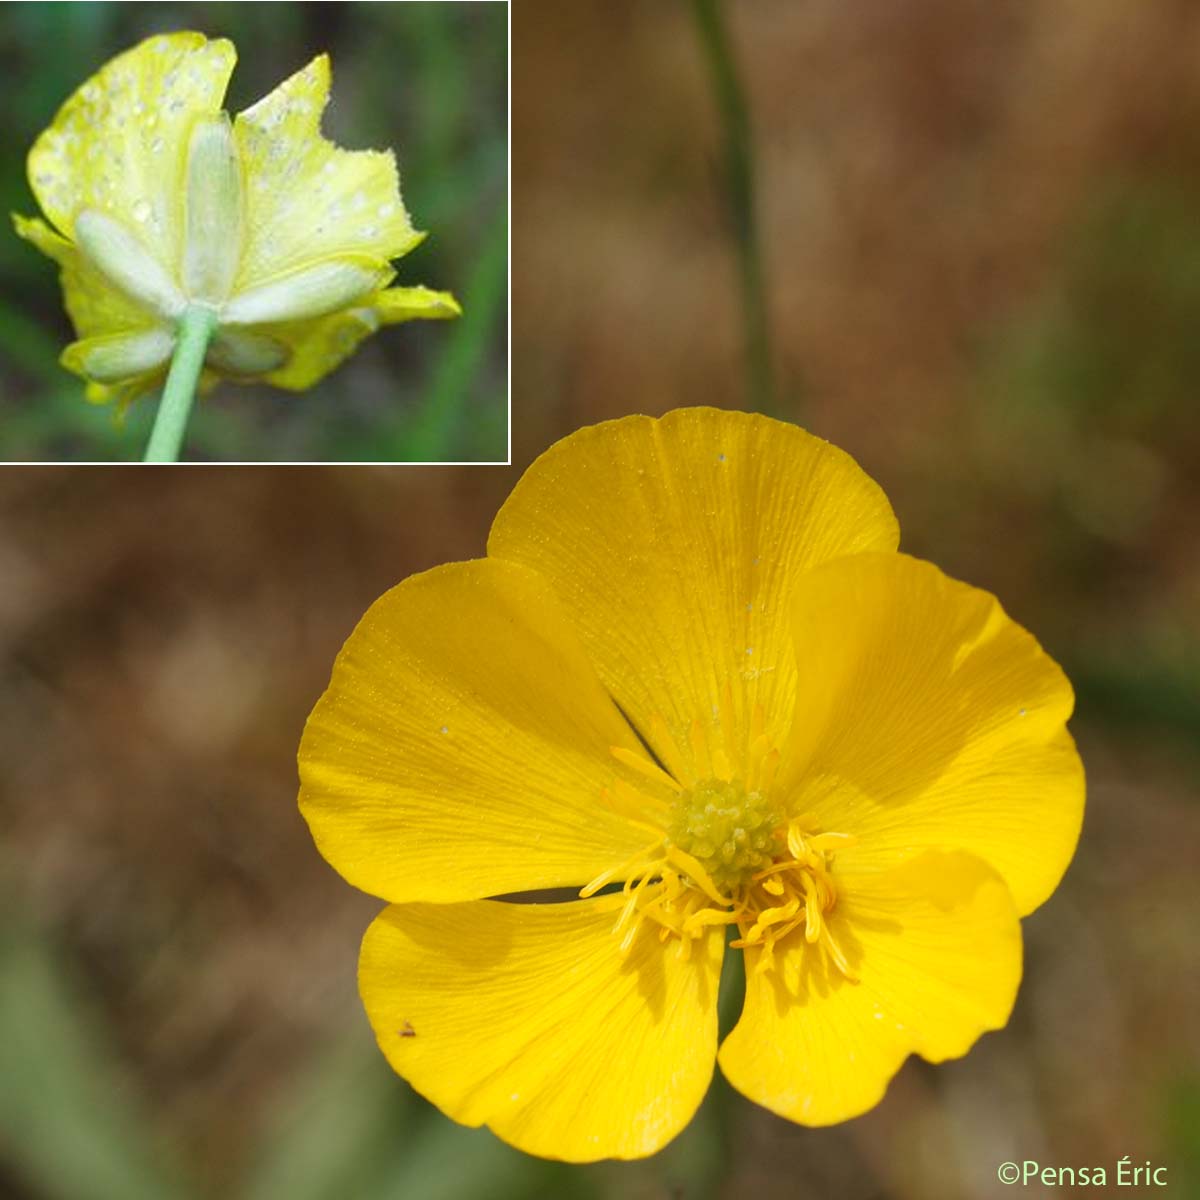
<point x="981" y="235"/>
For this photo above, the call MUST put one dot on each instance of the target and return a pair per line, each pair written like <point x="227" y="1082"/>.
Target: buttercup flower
<point x="156" y="201"/>
<point x="694" y="680"/>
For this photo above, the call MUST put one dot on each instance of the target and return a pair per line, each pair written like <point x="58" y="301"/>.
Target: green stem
<point x="739" y="169"/>
<point x="196" y="328"/>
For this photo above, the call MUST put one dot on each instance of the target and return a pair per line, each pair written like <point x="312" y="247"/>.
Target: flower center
<point x="732" y="857"/>
<point x="730" y="831"/>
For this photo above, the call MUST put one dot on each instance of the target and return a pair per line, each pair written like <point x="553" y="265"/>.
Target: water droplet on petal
<point x="141" y="210"/>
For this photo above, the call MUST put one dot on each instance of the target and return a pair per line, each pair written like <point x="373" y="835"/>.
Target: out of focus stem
<point x="196" y="328"/>
<point x="739" y="178"/>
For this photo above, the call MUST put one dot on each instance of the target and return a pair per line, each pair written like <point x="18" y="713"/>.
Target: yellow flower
<point x="693" y="665"/>
<point x="156" y="201"/>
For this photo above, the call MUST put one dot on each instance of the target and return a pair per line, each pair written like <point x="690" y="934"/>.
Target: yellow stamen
<point x="699" y="746"/>
<point x="812" y="910"/>
<point x="664" y="743"/>
<point x="721" y="767"/>
<point x="795" y="840"/>
<point x="838" y="956"/>
<point x="647" y="812"/>
<point x="606" y="877"/>
<point x="640" y="763"/>
<point x="769" y="769"/>
<point x="726" y="852"/>
<point x="698" y="875"/>
<point x="784" y="912"/>
<point x="832" y="841"/>
<point x="704" y="917"/>
<point x="758" y="724"/>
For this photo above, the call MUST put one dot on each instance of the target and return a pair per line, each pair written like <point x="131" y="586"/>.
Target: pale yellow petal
<point x="674" y="546"/>
<point x="398" y="304"/>
<point x="240" y="352"/>
<point x="127" y="266"/>
<point x="118" y="143"/>
<point x="320" y="287"/>
<point x="316" y="347"/>
<point x="527" y="1019"/>
<point x="35" y="231"/>
<point x="97" y="310"/>
<point x="936" y="944"/>
<point x="122" y="395"/>
<point x="463" y="747"/>
<point x="307" y="199"/>
<point x="119" y="356"/>
<point x="927" y="718"/>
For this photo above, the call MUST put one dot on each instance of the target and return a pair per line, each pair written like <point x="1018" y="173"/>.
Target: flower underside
<point x="731" y="855"/>
<point x="159" y="205"/>
<point x="212" y="244"/>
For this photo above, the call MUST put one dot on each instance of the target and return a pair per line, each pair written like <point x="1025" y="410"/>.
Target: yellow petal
<point x="306" y="199"/>
<point x="526" y="1018"/>
<point x="936" y="944"/>
<point x="927" y="718"/>
<point x="118" y="143"/>
<point x="316" y="347"/>
<point x="462" y="749"/>
<point x="674" y="545"/>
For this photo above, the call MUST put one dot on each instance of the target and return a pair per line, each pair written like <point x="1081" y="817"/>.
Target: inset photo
<point x="255" y="233"/>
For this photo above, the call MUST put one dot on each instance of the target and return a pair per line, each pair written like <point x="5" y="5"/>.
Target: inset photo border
<point x="255" y="233"/>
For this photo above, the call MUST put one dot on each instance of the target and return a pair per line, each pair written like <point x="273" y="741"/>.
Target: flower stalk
<point x="729" y="94"/>
<point x="196" y="327"/>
